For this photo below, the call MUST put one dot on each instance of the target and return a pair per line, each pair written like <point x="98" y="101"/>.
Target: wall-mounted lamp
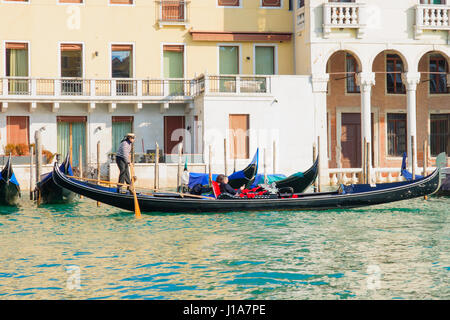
<point x="98" y="129"/>
<point x="96" y="53"/>
<point x="248" y="58"/>
<point x="42" y="129"/>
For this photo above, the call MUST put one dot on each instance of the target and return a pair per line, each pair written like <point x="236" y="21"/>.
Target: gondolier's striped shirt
<point x="124" y="150"/>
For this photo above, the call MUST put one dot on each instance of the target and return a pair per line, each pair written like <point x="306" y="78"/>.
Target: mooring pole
<point x="314" y="159"/>
<point x="38" y="144"/>
<point x="98" y="166"/>
<point x="156" y="181"/>
<point x="31" y="172"/>
<point x="225" y="156"/>
<point x="319" y="178"/>
<point x="425" y="160"/>
<point x="413" y="155"/>
<point x="180" y="147"/>
<point x="274" y="155"/>
<point x="265" y="166"/>
<point x="368" y="169"/>
<point x="363" y="165"/>
<point x="209" y="165"/>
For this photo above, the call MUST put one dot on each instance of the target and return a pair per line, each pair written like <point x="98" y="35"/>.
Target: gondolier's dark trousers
<point x="124" y="175"/>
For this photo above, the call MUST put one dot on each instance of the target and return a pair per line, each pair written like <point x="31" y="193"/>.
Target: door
<point x="71" y="135"/>
<point x="351" y="140"/>
<point x="173" y="133"/>
<point x="239" y="139"/>
<point x="121" y="126"/>
<point x="174" y="68"/>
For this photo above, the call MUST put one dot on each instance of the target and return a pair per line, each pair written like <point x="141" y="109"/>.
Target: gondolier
<point x="123" y="158"/>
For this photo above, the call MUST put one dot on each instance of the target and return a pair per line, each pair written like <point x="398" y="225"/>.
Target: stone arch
<point x="424" y="52"/>
<point x="406" y="64"/>
<point x="334" y="51"/>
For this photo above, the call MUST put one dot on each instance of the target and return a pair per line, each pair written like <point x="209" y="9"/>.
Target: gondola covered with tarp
<point x="235" y="180"/>
<point x="346" y="197"/>
<point x="51" y="193"/>
<point x="444" y="190"/>
<point x="9" y="186"/>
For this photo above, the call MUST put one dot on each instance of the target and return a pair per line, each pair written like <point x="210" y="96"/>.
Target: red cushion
<point x="216" y="188"/>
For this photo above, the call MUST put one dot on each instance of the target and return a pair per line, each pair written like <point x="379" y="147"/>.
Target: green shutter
<point x="264" y="60"/>
<point x="63" y="136"/>
<point x="229" y="60"/>
<point x="119" y="130"/>
<point x="78" y="138"/>
<point x="174" y="68"/>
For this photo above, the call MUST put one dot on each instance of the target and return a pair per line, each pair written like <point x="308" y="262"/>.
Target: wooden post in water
<point x="363" y="164"/>
<point x="425" y="161"/>
<point x="180" y="147"/>
<point x="98" y="166"/>
<point x="38" y="144"/>
<point x="368" y="171"/>
<point x="80" y="163"/>
<point x="274" y="155"/>
<point x="319" y="180"/>
<point x="265" y="166"/>
<point x="70" y="145"/>
<point x="234" y="151"/>
<point x="314" y="159"/>
<point x="31" y="172"/>
<point x="413" y="160"/>
<point x="209" y="165"/>
<point x="225" y="156"/>
<point x="156" y="182"/>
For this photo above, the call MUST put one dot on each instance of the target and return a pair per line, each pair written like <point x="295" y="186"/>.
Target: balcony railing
<point x="172" y="12"/>
<point x="432" y="17"/>
<point x="124" y="89"/>
<point x="343" y="16"/>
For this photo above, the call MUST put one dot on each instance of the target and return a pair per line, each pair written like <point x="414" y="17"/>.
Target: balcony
<point x="337" y="15"/>
<point x="432" y="17"/>
<point x="172" y="12"/>
<point x="134" y="91"/>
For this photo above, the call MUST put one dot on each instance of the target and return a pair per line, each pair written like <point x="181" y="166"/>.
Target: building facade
<point x="258" y="73"/>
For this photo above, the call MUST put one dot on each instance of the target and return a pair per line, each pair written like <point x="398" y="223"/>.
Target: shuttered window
<point x="439" y="133"/>
<point x="239" y="135"/>
<point x="271" y="3"/>
<point x="264" y="60"/>
<point x="121" y="126"/>
<point x="70" y="1"/>
<point x="396" y="130"/>
<point x="229" y="3"/>
<point x="121" y="1"/>
<point x="17" y="130"/>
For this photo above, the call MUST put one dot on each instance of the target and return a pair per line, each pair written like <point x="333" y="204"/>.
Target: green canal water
<point x="79" y="251"/>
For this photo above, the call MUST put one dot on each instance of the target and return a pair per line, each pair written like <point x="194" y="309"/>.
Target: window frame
<point x="133" y="54"/>
<point x="441" y="57"/>
<point x="262" y="6"/>
<point x="275" y="56"/>
<point x="396" y="112"/>
<point x="28" y="43"/>
<point x="83" y="64"/>
<point x="82" y="3"/>
<point x="122" y="4"/>
<point x="349" y="56"/>
<point x="437" y="113"/>
<point x="228" y="6"/>
<point x="395" y="73"/>
<point x="239" y="45"/>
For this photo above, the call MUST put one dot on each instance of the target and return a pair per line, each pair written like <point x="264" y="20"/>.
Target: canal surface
<point x="79" y="251"/>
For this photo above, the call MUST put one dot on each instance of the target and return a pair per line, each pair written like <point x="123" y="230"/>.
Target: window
<point x="229" y="3"/>
<point x="271" y="3"/>
<point x="71" y="67"/>
<point x="239" y="126"/>
<point x="228" y="64"/>
<point x="172" y="10"/>
<point x="120" y="127"/>
<point x="17" y="66"/>
<point x="71" y="135"/>
<point x="300" y="3"/>
<point x="174" y="67"/>
<point x="122" y="67"/>
<point x="70" y="1"/>
<point x="439" y="133"/>
<point x="264" y="60"/>
<point x="432" y="1"/>
<point x="396" y="131"/>
<point x="438" y="81"/>
<point x="352" y="69"/>
<point x="17" y="130"/>
<point x="394" y="69"/>
<point x="121" y="1"/>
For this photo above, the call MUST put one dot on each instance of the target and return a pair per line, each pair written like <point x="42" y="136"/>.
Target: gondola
<point x="51" y="193"/>
<point x="297" y="183"/>
<point x="444" y="190"/>
<point x="346" y="197"/>
<point x="236" y="179"/>
<point x="9" y="186"/>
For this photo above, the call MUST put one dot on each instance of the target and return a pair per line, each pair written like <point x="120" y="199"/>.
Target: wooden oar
<point x="127" y="185"/>
<point x="137" y="210"/>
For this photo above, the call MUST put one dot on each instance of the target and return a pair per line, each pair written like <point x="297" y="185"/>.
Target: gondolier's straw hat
<point x="131" y="135"/>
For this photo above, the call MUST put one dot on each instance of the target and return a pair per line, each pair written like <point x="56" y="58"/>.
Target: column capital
<point x="320" y="82"/>
<point x="411" y="80"/>
<point x="365" y="80"/>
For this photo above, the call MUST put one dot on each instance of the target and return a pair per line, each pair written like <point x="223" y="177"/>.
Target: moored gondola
<point x="9" y="186"/>
<point x="50" y="192"/>
<point x="349" y="197"/>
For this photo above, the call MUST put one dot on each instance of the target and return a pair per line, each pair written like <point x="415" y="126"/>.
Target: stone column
<point x="411" y="80"/>
<point x="365" y="81"/>
<point x="319" y="84"/>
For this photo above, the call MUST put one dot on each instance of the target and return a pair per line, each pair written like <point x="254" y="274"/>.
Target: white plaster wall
<point x="286" y="117"/>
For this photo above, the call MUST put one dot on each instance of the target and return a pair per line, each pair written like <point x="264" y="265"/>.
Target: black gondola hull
<point x="299" y="183"/>
<point x="312" y="201"/>
<point x="9" y="191"/>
